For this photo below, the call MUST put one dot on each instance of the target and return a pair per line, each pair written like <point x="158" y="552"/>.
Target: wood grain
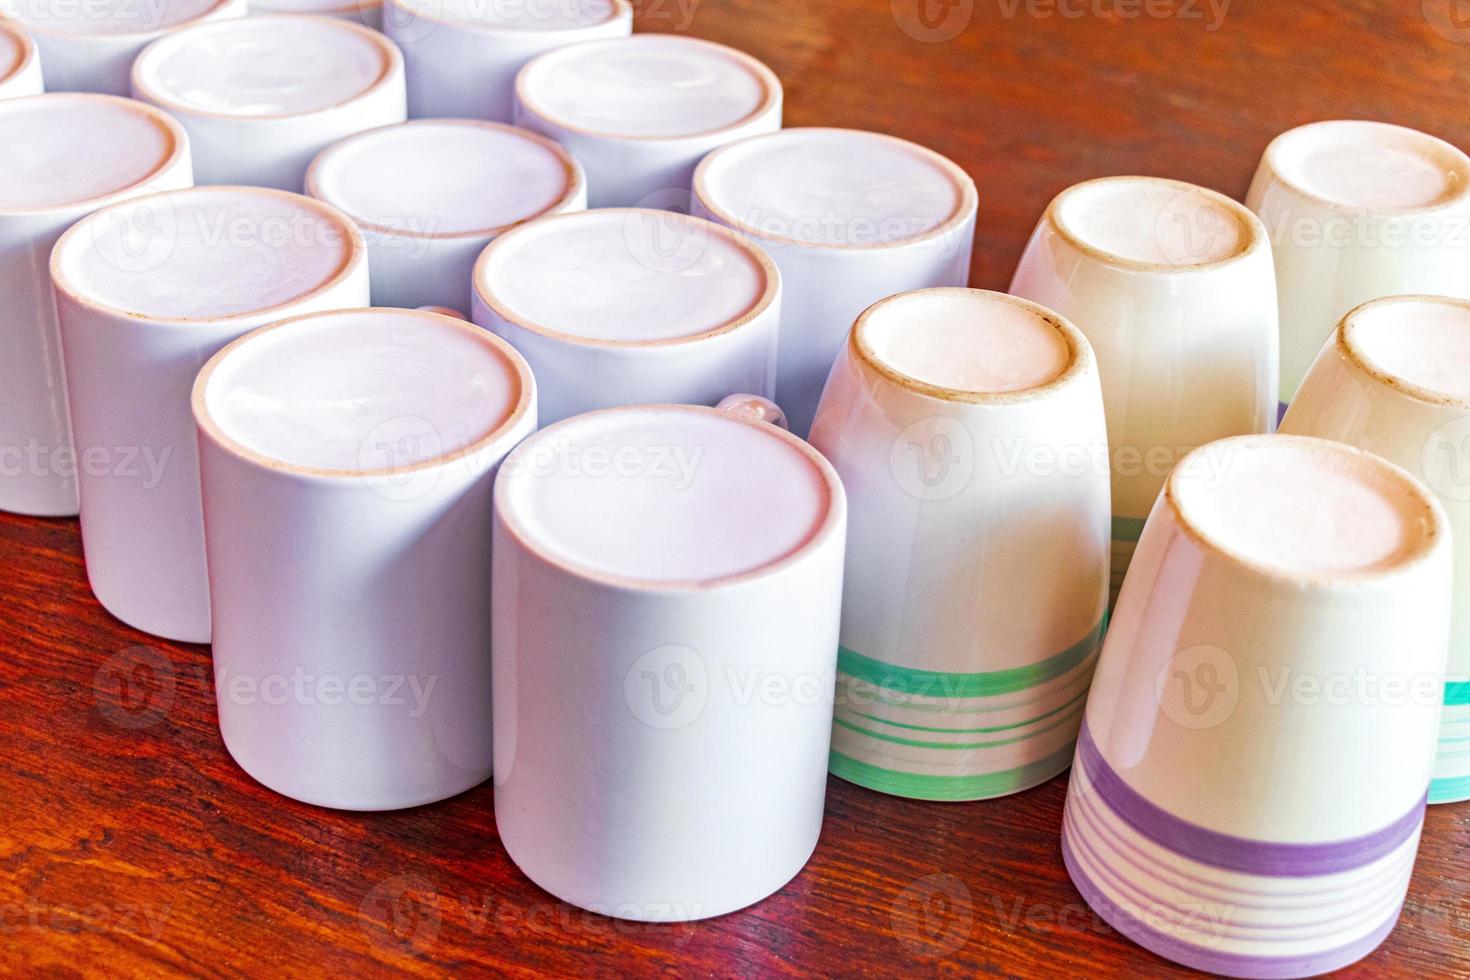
<point x="130" y="843"/>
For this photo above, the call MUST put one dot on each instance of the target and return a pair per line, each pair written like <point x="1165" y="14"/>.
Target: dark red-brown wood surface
<point x="130" y="843"/>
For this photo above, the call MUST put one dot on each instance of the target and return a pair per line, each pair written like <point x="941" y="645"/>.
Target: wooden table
<point x="129" y="842"/>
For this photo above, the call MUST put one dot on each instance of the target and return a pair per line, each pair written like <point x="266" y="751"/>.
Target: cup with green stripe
<point x="968" y="429"/>
<point x="1394" y="379"/>
<point x="1174" y="287"/>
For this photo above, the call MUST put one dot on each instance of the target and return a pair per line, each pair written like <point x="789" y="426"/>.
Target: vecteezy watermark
<point x="146" y="464"/>
<point x="932" y="21"/>
<point x="1209" y="14"/>
<point x="401" y="914"/>
<point x="135" y="688"/>
<point x="1425" y="231"/>
<point x="109" y="16"/>
<point x="933" y="917"/>
<point x="96" y="918"/>
<point x="1450" y="19"/>
<point x="678" y="14"/>
<point x="1198" y="687"/>
<point x="670" y="686"/>
<point x="308" y="689"/>
<point x="933" y="458"/>
<point x="1446" y="460"/>
<point x="673" y="465"/>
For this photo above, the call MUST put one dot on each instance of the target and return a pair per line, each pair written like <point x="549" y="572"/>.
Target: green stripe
<point x="1127" y="528"/>
<point x="974" y="731"/>
<point x="1457" y="693"/>
<point x="939" y="684"/>
<point x="920" y="786"/>
<point x="1448" y="790"/>
<point x="951" y="746"/>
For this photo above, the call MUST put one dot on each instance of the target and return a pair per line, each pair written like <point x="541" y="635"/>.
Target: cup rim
<point x="770" y="289"/>
<point x="1347" y="343"/>
<point x="209" y="428"/>
<point x="1079" y="352"/>
<point x="832" y="519"/>
<point x="964" y="184"/>
<point x="1457" y="197"/>
<point x="27" y="48"/>
<point x="392" y="67"/>
<point x="621" y="10"/>
<point x="207" y="15"/>
<point x="572" y="171"/>
<point x="342" y="10"/>
<point x="171" y="127"/>
<point x="356" y="256"/>
<point x="1421" y="552"/>
<point x="1253" y="237"/>
<point x="770" y="87"/>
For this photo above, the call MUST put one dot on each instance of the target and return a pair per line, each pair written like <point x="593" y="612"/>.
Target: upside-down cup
<point x="146" y="292"/>
<point x="462" y="56"/>
<point x="1357" y="211"/>
<point x="20" y="64"/>
<point x="90" y="47"/>
<point x="1173" y="286"/>
<point x="1251" y="774"/>
<point x="621" y="306"/>
<point x="262" y="96"/>
<point x="641" y="112"/>
<point x="368" y="13"/>
<point x="967" y="427"/>
<point x="667" y="584"/>
<point x="347" y="460"/>
<point x="429" y="195"/>
<point x="62" y="157"/>
<point x="849" y="217"/>
<point x="1395" y="380"/>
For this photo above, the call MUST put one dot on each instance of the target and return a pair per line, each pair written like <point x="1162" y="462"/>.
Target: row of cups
<point x="641" y="554"/>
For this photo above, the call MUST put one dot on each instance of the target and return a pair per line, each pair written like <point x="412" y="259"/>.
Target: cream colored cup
<point x="347" y="461"/>
<point x="90" y="47"/>
<point x="1174" y="287"/>
<point x="462" y="56"/>
<point x="1251" y="774"/>
<point x="1394" y="379"/>
<point x="849" y="217"/>
<point x="1358" y="210"/>
<point x="622" y="306"/>
<point x="147" y="290"/>
<point x="262" y="96"/>
<point x="62" y="157"/>
<point x="641" y="112"/>
<point x="429" y="195"/>
<point x="967" y="427"/>
<point x="20" y="63"/>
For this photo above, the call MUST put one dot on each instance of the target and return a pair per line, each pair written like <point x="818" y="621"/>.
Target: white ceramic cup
<point x="462" y="56"/>
<point x="430" y="195"/>
<point x="262" y="96"/>
<point x="347" y="460"/>
<point x="20" y="63"/>
<point x="1394" y="379"/>
<point x="147" y="291"/>
<point x="90" y="47"/>
<point x="621" y="306"/>
<point x="1173" y="286"/>
<point x="641" y="112"/>
<point x="666" y="602"/>
<point x="368" y="13"/>
<point x="967" y="427"/>
<point x="63" y="156"/>
<point x="849" y="217"/>
<point x="1355" y="211"/>
<point x="1250" y="778"/>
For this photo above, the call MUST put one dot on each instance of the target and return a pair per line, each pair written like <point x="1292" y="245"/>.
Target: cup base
<point x="950" y="789"/>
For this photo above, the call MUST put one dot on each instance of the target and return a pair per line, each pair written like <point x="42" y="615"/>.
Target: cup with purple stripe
<point x="1253" y="765"/>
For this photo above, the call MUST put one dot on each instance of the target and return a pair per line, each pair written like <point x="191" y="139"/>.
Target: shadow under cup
<point x="1251" y="775"/>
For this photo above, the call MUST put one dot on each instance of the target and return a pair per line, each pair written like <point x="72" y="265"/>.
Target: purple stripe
<point x="1237" y="853"/>
<point x="1229" y="964"/>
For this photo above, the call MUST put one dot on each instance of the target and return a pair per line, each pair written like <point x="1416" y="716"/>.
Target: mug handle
<point x="753" y="408"/>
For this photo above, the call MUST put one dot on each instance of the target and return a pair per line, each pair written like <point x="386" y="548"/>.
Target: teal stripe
<point x="952" y="746"/>
<point x="918" y="786"/>
<point x="1127" y="528"/>
<point x="1457" y="693"/>
<point x="975" y="731"/>
<point x="1449" y="790"/>
<point x="937" y="684"/>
